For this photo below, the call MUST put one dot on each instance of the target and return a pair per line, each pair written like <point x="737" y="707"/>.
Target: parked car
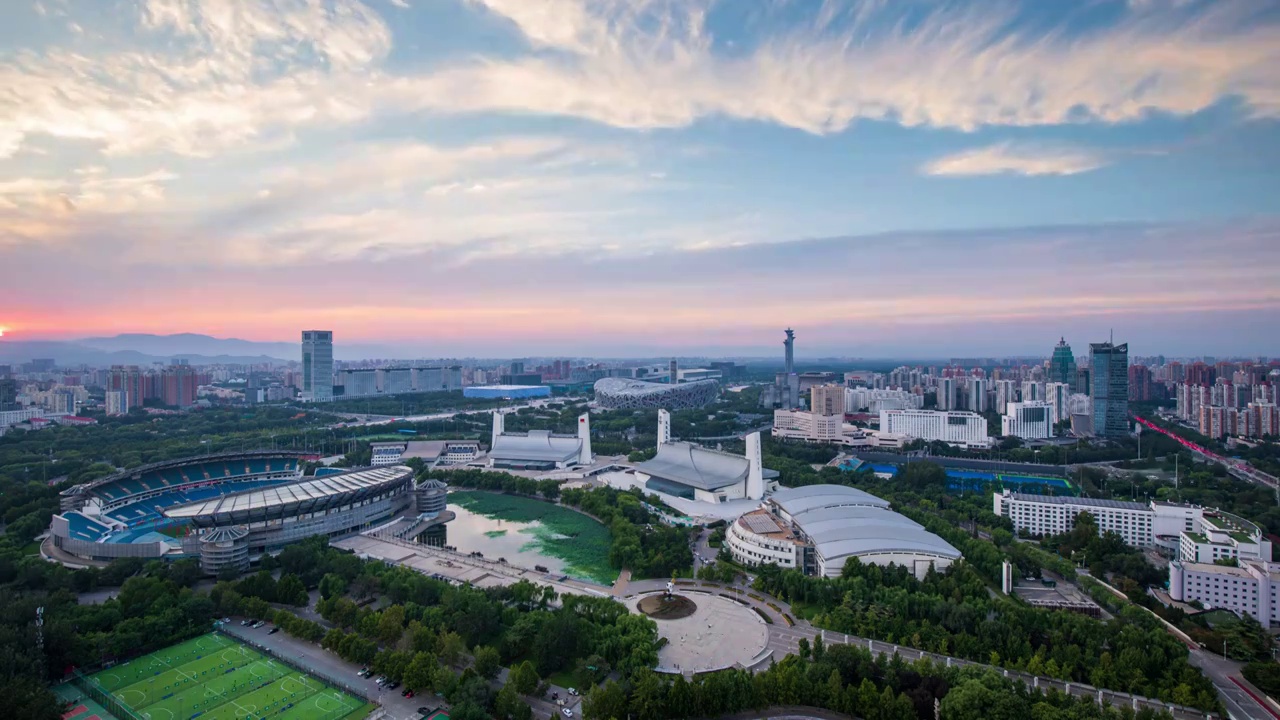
<point x="405" y="692"/>
<point x="409" y="694"/>
<point x="246" y="621"/>
<point x="274" y="630"/>
<point x="364" y="672"/>
<point x="382" y="680"/>
<point x="573" y="692"/>
<point x="226" y="620"/>
<point x="393" y="685"/>
<point x="257" y="625"/>
<point x="425" y="711"/>
<point x="567" y="712"/>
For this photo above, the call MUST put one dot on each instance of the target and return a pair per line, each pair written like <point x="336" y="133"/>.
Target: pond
<point x="530" y="532"/>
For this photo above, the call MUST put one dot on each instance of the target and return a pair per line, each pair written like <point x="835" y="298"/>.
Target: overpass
<point x="1237" y="468"/>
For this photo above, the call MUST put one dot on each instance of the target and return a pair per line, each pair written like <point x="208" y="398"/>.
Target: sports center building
<point x="226" y="510"/>
<point x="621" y="393"/>
<point x="817" y="528"/>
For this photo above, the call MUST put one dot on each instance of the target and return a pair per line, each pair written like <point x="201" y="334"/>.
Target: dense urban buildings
<point x="317" y="365"/>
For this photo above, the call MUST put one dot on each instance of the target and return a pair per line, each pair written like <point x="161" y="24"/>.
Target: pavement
<point x="721" y="633"/>
<point x="1233" y="688"/>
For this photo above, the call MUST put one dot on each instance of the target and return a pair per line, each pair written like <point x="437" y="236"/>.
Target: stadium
<point x="619" y="393"/>
<point x="817" y="528"/>
<point x="226" y="510"/>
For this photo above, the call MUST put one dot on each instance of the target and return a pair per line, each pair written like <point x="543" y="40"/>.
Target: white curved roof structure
<point x="696" y="466"/>
<point x="536" y="446"/>
<point x="842" y="522"/>
<point x="795" y="501"/>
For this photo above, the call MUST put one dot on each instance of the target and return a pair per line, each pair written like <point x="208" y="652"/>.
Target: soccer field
<point x="217" y="678"/>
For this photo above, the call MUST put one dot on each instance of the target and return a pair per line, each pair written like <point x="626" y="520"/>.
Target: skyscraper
<point x="1062" y="366"/>
<point x="827" y="399"/>
<point x="978" y="395"/>
<point x="8" y="394"/>
<point x="1109" y="371"/>
<point x="128" y="378"/>
<point x="179" y="385"/>
<point x="317" y="365"/>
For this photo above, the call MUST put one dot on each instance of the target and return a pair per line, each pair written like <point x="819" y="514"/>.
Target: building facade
<point x="1109" y="365"/>
<point x="827" y="400"/>
<point x="808" y="426"/>
<point x="317" y="365"/>
<point x="953" y="427"/>
<point x="1062" y="365"/>
<point x="1028" y="420"/>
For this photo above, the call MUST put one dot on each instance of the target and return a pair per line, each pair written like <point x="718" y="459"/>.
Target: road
<point x="364" y="419"/>
<point x="1225" y="676"/>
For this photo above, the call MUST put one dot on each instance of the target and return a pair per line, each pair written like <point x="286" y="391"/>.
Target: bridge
<point x="1237" y="468"/>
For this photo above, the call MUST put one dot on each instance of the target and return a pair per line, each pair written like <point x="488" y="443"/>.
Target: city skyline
<point x="606" y="178"/>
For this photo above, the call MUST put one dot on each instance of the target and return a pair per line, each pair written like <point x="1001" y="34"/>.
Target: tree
<point x="524" y="678"/>
<point x="450" y="648"/>
<point x="508" y="705"/>
<point x="605" y="702"/>
<point x="487" y="661"/>
<point x="391" y="624"/>
<point x="291" y="591"/>
<point x="418" y="675"/>
<point x="332" y="585"/>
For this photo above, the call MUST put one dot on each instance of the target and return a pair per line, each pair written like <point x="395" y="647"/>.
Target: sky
<point x="609" y="177"/>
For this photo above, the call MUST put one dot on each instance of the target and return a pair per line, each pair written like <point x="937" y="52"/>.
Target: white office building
<point x="808" y="426"/>
<point x="954" y="427"/>
<point x="359" y="382"/>
<point x="1043" y="515"/>
<point x="317" y="365"/>
<point x="386" y="453"/>
<point x="1028" y="420"/>
<point x="1032" y="391"/>
<point x="1249" y="589"/>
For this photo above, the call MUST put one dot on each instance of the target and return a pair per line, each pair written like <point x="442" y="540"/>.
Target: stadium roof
<point x="536" y="446"/>
<point x="695" y="466"/>
<point x="634" y="394"/>
<point x="796" y="501"/>
<point x="318" y="493"/>
<point x="842" y="521"/>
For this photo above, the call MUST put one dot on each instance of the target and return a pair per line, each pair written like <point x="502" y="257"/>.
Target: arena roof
<point x="695" y="466"/>
<point x="294" y="498"/>
<point x="536" y="446"/>
<point x="842" y="521"/>
<point x="796" y="501"/>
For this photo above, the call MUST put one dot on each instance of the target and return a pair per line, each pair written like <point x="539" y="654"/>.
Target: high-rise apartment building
<point x="1058" y="395"/>
<point x="1028" y="420"/>
<point x="317" y="365"/>
<point x="1006" y="392"/>
<point x="947" y="393"/>
<point x="1062" y="366"/>
<point x="117" y="402"/>
<point x="1032" y="391"/>
<point x="8" y="394"/>
<point x="178" y="385"/>
<point x="1139" y="383"/>
<point x="978" y="395"/>
<point x="1109" y="370"/>
<point x="128" y="378"/>
<point x="827" y="399"/>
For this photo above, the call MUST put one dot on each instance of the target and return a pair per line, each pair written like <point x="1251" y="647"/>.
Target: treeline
<point x="848" y="680"/>
<point x="434" y="636"/>
<point x="639" y="540"/>
<point x="953" y="613"/>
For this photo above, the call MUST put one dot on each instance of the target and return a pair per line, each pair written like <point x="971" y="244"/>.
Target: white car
<point x="567" y="712"/>
<point x="573" y="691"/>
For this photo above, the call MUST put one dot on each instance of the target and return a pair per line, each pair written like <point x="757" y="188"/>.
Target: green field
<point x="217" y="678"/>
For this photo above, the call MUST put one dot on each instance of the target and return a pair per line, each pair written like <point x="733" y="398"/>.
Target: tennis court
<point x="213" y="677"/>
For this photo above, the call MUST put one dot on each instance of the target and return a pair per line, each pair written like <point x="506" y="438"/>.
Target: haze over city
<point x="500" y="178"/>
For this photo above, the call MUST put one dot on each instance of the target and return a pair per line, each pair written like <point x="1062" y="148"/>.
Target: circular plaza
<point x="709" y="632"/>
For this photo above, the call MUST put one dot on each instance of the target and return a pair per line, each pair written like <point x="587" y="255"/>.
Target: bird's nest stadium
<point x="225" y="510"/>
<point x="621" y="393"/>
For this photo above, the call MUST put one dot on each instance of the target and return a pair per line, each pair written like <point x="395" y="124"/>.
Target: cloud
<point x="204" y="76"/>
<point x="1008" y="158"/>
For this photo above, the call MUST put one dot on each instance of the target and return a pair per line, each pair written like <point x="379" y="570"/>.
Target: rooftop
<point x="537" y="446"/>
<point x="695" y="466"/>
<point x="796" y="501"/>
<point x="1084" y="502"/>
<point x="279" y="495"/>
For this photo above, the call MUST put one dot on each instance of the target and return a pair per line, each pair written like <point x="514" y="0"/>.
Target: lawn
<point x="217" y="678"/>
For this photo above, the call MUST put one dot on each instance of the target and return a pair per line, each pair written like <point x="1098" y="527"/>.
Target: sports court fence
<point x="90" y="687"/>
<point x="314" y="672"/>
